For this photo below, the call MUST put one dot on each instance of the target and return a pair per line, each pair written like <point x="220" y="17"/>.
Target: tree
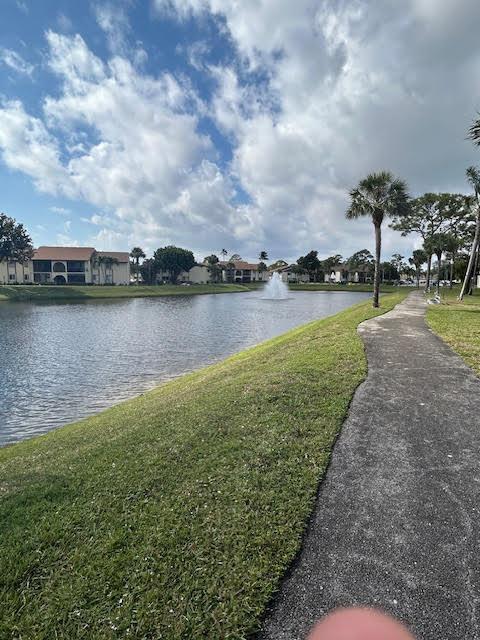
<point x="136" y="253"/>
<point x="329" y="263"/>
<point x="230" y="270"/>
<point x="474" y="132"/>
<point x="398" y="262"/>
<point x="263" y="256"/>
<point x="278" y="265"/>
<point x="104" y="263"/>
<point x="436" y="213"/>
<point x="235" y="257"/>
<point x="174" y="260"/>
<point x="419" y="257"/>
<point x="148" y="271"/>
<point x="360" y="259"/>
<point x="310" y="263"/>
<point x="426" y="217"/>
<point x="213" y="267"/>
<point x="363" y="260"/>
<point x="224" y="253"/>
<point x="389" y="272"/>
<point x="262" y="267"/>
<point x="435" y="245"/>
<point x="452" y="245"/>
<point x="15" y="243"/>
<point x="377" y="196"/>
<point x="473" y="177"/>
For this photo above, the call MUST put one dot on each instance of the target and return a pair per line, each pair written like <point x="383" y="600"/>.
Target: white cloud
<point x="66" y="240"/>
<point x="29" y="147"/>
<point x="14" y="61"/>
<point x="62" y="211"/>
<point x="352" y="87"/>
<point x="346" y="87"/>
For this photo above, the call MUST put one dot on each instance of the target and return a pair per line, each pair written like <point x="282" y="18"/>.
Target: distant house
<point x="199" y="274"/>
<point x="289" y="273"/>
<point x="343" y="274"/>
<point x="68" y="265"/>
<point x="242" y="272"/>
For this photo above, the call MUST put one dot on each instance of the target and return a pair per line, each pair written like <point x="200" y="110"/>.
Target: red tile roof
<point x="240" y="264"/>
<point x="121" y="256"/>
<point x="63" y="253"/>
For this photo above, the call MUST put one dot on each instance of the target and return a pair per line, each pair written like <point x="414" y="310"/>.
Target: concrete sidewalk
<point x="397" y="520"/>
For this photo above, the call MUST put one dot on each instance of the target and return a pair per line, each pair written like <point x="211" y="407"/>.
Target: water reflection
<point x="62" y="362"/>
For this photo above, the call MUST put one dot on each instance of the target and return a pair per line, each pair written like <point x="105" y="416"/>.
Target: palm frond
<point x="473" y="177"/>
<point x="474" y="132"/>
<point x="378" y="194"/>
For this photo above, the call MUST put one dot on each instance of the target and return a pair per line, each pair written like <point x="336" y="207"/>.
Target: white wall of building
<point x="15" y="272"/>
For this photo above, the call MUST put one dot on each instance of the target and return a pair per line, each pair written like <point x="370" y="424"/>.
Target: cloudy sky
<point x="219" y="123"/>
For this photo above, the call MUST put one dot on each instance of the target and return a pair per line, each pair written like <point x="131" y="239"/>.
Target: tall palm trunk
<point x="471" y="262"/>
<point x="452" y="262"/>
<point x="376" y="277"/>
<point x="138" y="265"/>
<point x="429" y="272"/>
<point x="473" y="281"/>
<point x="439" y="266"/>
<point x="418" y="277"/>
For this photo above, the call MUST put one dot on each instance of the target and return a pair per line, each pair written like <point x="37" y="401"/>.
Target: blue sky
<point x="213" y="123"/>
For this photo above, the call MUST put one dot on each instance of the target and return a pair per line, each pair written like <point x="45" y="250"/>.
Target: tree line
<point x="172" y="261"/>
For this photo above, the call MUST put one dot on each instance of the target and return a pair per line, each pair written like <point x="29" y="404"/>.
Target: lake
<point x="63" y="362"/>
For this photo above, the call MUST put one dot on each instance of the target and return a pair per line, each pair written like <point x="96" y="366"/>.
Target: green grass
<point x="320" y="286"/>
<point x="45" y="292"/>
<point x="174" y="515"/>
<point x="458" y="324"/>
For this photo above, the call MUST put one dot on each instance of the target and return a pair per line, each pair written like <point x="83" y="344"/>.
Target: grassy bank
<point x="41" y="293"/>
<point x="45" y="293"/>
<point x="458" y="324"/>
<point x="366" y="288"/>
<point x="175" y="514"/>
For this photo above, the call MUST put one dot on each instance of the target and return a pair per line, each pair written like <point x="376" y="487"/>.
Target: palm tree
<point x="452" y="245"/>
<point x="109" y="262"/>
<point x="224" y="253"/>
<point x="104" y="263"/>
<point x="418" y="258"/>
<point x="377" y="196"/>
<point x="437" y="244"/>
<point x="263" y="256"/>
<point x="473" y="177"/>
<point x="136" y="253"/>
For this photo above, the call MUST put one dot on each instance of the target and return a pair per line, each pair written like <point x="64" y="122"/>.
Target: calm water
<point x="62" y="362"/>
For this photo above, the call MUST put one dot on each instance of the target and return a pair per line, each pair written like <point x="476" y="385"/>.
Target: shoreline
<point x="77" y="293"/>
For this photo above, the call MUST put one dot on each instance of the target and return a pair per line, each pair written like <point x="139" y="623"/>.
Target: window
<point x="26" y="276"/>
<point x="76" y="266"/>
<point x="42" y="266"/>
<point x="11" y="276"/>
<point x="41" y="277"/>
<point x="76" y="278"/>
<point x="59" y="267"/>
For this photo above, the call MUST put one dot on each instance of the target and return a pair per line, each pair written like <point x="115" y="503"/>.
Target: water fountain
<point x="276" y="289"/>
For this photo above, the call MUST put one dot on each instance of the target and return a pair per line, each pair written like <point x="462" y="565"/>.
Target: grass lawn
<point x="41" y="293"/>
<point x="320" y="286"/>
<point x="174" y="515"/>
<point x="458" y="324"/>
